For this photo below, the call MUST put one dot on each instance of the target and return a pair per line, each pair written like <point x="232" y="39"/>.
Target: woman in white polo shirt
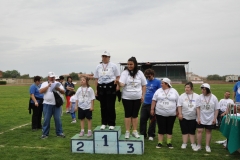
<point x="187" y="114"/>
<point x="164" y="105"/>
<point x="134" y="83"/>
<point x="207" y="111"/>
<point x="106" y="74"/>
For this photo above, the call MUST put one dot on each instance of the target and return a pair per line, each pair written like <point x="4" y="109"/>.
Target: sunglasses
<point x="104" y="56"/>
<point x="203" y="88"/>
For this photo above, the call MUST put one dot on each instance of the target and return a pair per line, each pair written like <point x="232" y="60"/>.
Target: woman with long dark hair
<point x="134" y="83"/>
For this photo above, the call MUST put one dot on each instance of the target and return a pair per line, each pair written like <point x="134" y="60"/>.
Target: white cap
<point x="51" y="74"/>
<point x="105" y="53"/>
<point x="57" y="77"/>
<point x="205" y="85"/>
<point x="168" y="81"/>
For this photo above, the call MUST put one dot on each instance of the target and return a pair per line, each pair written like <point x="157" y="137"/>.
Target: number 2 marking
<point x="130" y="147"/>
<point x="79" y="148"/>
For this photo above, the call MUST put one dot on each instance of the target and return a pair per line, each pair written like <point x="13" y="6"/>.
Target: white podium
<point x="107" y="142"/>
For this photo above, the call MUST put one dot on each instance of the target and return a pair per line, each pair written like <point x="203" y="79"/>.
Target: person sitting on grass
<point x="84" y="104"/>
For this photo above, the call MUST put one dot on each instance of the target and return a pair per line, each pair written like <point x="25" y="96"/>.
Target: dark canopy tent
<point x="175" y="71"/>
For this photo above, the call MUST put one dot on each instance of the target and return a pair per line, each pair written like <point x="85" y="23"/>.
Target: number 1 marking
<point x="105" y="140"/>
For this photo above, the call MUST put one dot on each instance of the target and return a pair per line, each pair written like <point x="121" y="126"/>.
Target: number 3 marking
<point x="130" y="147"/>
<point x="79" y="148"/>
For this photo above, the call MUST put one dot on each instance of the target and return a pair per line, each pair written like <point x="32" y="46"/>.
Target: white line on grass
<point x="16" y="127"/>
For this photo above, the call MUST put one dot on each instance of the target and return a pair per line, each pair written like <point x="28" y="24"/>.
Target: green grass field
<point x="21" y="143"/>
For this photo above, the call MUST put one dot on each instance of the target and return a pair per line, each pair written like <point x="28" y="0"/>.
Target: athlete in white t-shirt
<point x="164" y="105"/>
<point x="134" y="83"/>
<point x="187" y="115"/>
<point x="84" y="104"/>
<point x="223" y="103"/>
<point x="207" y="111"/>
<point x="106" y="75"/>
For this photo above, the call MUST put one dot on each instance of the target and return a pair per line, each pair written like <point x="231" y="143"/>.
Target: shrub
<point x="3" y="82"/>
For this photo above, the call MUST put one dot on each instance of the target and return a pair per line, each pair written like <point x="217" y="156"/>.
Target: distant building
<point x="1" y="74"/>
<point x="232" y="78"/>
<point x="194" y="78"/>
<point x="90" y="76"/>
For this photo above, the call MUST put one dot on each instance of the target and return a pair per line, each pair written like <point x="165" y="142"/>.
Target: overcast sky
<point x="38" y="36"/>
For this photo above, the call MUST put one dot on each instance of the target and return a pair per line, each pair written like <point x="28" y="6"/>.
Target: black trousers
<point x="37" y="116"/>
<point x="144" y="117"/>
<point x="107" y="98"/>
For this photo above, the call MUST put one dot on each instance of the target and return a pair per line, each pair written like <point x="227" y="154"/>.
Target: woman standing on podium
<point x="106" y="75"/>
<point x="134" y="83"/>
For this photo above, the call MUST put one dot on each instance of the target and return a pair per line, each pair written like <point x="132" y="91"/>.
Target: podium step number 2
<point x="107" y="142"/>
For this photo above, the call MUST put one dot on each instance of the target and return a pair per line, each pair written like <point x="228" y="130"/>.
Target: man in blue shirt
<point x="153" y="84"/>
<point x="236" y="91"/>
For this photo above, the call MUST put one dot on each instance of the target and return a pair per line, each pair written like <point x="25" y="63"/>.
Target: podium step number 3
<point x="107" y="142"/>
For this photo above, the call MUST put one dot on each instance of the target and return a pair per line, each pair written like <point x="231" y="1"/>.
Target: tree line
<point x="16" y="74"/>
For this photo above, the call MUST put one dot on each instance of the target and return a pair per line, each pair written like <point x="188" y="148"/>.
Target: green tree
<point x="11" y="74"/>
<point x="74" y="76"/>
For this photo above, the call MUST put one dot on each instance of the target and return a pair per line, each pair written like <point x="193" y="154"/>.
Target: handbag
<point x="58" y="99"/>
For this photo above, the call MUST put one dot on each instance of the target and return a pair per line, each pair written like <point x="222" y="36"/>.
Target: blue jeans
<point x="73" y="115"/>
<point x="48" y="112"/>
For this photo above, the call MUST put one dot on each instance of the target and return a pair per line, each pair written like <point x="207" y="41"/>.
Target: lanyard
<point x="104" y="68"/>
<point x="84" y="94"/>
<point x="208" y="99"/>
<point x="167" y="92"/>
<point x="190" y="100"/>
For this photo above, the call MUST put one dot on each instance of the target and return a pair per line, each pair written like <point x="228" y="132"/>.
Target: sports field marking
<point x="24" y="147"/>
<point x="16" y="127"/>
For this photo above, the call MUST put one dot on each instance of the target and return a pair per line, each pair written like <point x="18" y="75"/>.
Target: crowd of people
<point x="159" y="102"/>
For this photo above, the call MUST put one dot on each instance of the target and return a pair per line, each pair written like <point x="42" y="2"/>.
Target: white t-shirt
<point x="207" y="110"/>
<point x="73" y="99"/>
<point x="133" y="86"/>
<point x="84" y="96"/>
<point x="166" y="102"/>
<point x="188" y="104"/>
<point x="48" y="95"/>
<point x="108" y="75"/>
<point x="223" y="104"/>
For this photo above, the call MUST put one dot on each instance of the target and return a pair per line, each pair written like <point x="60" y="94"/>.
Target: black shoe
<point x="44" y="137"/>
<point x="170" y="146"/>
<point x="61" y="135"/>
<point x="34" y="130"/>
<point x="159" y="145"/>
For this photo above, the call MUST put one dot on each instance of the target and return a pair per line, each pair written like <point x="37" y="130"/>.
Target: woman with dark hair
<point x="187" y="114"/>
<point x="134" y="83"/>
<point x="69" y="86"/>
<point x="207" y="112"/>
<point x="164" y="105"/>
<point x="36" y="103"/>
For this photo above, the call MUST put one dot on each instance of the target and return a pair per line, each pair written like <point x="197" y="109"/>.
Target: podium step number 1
<point x="107" y="142"/>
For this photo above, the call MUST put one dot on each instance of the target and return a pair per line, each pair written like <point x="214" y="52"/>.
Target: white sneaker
<point x="197" y="148"/>
<point x="150" y="138"/>
<point x="184" y="146"/>
<point x="102" y="127"/>
<point x="74" y="121"/>
<point x="135" y="134"/>
<point x="208" y="149"/>
<point x="127" y="134"/>
<point x="193" y="146"/>
<point x="111" y="127"/>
